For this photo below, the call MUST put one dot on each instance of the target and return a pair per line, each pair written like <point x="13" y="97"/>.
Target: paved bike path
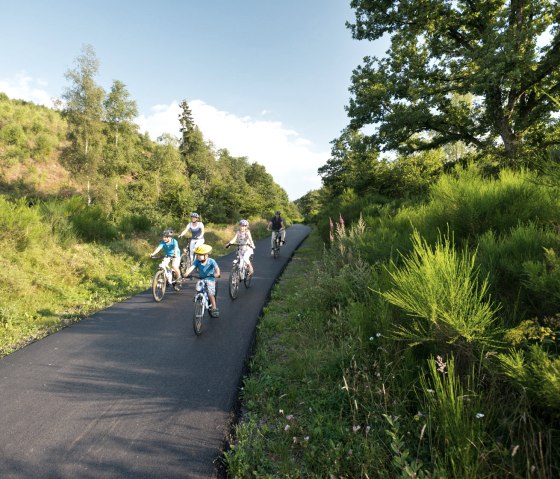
<point x="132" y="392"/>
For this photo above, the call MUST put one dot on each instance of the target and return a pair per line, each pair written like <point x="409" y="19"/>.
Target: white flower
<point x="286" y="427"/>
<point x="371" y="338"/>
<point x="355" y="428"/>
<point x="289" y="417"/>
<point x="281" y="411"/>
<point x="479" y="415"/>
<point x="306" y="438"/>
<point x="378" y="335"/>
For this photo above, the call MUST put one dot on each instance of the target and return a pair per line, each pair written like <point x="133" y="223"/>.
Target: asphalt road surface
<point x="132" y="392"/>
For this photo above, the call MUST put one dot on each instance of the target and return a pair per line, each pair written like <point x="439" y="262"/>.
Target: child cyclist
<point x="208" y="270"/>
<point x="172" y="252"/>
<point x="197" y="233"/>
<point x="247" y="246"/>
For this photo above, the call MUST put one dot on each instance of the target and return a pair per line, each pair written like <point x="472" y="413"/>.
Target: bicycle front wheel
<point x="276" y="248"/>
<point x="234" y="282"/>
<point x="198" y="315"/>
<point x="158" y="286"/>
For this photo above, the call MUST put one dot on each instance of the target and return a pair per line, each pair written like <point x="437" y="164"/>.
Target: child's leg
<point x="175" y="267"/>
<point x="212" y="299"/>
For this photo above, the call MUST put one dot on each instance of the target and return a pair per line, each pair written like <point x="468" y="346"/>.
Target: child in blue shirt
<point x="170" y="247"/>
<point x="208" y="270"/>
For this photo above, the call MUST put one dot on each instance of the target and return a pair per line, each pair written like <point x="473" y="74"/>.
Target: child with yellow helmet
<point x="208" y="270"/>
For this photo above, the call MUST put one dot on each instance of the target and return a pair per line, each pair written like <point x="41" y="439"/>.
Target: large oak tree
<point x="501" y="57"/>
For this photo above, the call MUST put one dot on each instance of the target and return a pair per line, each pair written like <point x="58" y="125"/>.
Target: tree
<point x="120" y="110"/>
<point x="84" y="112"/>
<point x="444" y="49"/>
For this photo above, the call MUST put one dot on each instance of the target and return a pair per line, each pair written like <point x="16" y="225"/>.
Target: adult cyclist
<point x="276" y="224"/>
<point x="197" y="233"/>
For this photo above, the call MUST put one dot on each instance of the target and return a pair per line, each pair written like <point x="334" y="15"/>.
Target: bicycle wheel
<point x="158" y="285"/>
<point x="198" y="315"/>
<point x="185" y="263"/>
<point x="234" y="282"/>
<point x="247" y="280"/>
<point x="276" y="248"/>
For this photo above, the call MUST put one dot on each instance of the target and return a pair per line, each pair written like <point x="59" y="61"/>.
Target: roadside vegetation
<point x="417" y="334"/>
<point x="418" y="343"/>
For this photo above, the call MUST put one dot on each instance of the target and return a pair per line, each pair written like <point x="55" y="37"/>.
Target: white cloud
<point x="287" y="156"/>
<point x="23" y="87"/>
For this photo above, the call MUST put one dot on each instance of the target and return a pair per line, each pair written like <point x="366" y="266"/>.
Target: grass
<point x="51" y="278"/>
<point x="302" y="416"/>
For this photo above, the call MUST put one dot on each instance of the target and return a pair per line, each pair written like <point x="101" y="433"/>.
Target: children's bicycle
<point x="201" y="305"/>
<point x="185" y="259"/>
<point x="239" y="272"/>
<point x="163" y="278"/>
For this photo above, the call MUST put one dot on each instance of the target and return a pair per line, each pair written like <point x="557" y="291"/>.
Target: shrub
<point x="440" y="289"/>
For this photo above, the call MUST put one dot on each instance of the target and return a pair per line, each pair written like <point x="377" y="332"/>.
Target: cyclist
<point x="197" y="233"/>
<point x="208" y="271"/>
<point x="276" y="224"/>
<point x="172" y="252"/>
<point x="243" y="237"/>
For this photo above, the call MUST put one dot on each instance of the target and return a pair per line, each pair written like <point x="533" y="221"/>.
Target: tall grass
<point x="440" y="291"/>
<point x="455" y="418"/>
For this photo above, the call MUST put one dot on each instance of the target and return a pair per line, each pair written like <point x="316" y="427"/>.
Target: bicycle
<point x="276" y="243"/>
<point x="162" y="279"/>
<point x="185" y="263"/>
<point x="239" y="272"/>
<point x="201" y="305"/>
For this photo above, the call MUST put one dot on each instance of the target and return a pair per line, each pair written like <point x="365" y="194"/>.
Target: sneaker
<point x="283" y="242"/>
<point x="215" y="313"/>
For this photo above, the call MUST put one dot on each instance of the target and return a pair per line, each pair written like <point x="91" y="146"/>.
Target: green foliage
<point x="455" y="419"/>
<point x="537" y="372"/>
<point x="28" y="130"/>
<point x="444" y="54"/>
<point x="440" y="289"/>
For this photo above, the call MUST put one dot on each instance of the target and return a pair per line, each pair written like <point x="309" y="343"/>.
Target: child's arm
<point x="217" y="272"/>
<point x="251" y="242"/>
<point x="156" y="250"/>
<point x="190" y="270"/>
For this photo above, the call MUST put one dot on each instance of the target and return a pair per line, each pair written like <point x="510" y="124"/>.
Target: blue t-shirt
<point x="171" y="248"/>
<point x="206" y="271"/>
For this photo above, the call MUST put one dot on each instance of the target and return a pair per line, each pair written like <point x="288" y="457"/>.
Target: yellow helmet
<point x="203" y="249"/>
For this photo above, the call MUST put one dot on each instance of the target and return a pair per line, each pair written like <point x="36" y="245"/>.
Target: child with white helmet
<point x="247" y="246"/>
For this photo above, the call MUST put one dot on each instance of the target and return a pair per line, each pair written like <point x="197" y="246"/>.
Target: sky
<point x="266" y="79"/>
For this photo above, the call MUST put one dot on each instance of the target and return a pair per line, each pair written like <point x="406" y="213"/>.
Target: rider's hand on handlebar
<point x="228" y="245"/>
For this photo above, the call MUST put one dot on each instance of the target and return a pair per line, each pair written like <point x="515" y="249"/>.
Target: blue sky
<point x="265" y="79"/>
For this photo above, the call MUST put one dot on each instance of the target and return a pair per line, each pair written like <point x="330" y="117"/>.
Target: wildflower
<point x="306" y="438"/>
<point x="368" y="429"/>
<point x="281" y="411"/>
<point x="355" y="428"/>
<point x="378" y="335"/>
<point x="479" y="415"/>
<point x="441" y="364"/>
<point x="371" y="338"/>
<point x="431" y="391"/>
<point x="286" y="427"/>
<point x="294" y="439"/>
<point x="289" y="417"/>
<point x="515" y="449"/>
